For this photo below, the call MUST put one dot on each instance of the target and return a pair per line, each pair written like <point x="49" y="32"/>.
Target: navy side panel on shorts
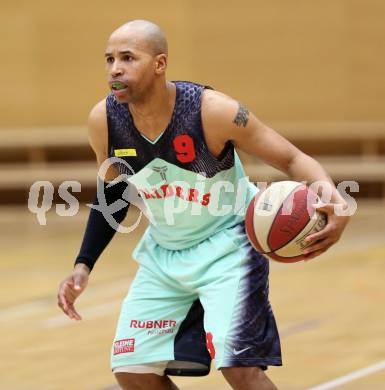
<point x="190" y="343"/>
<point x="253" y="338"/>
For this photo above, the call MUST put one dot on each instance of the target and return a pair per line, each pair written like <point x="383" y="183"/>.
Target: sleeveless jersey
<point x="189" y="193"/>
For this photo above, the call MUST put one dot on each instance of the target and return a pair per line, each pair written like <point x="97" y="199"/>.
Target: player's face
<point x="130" y="66"/>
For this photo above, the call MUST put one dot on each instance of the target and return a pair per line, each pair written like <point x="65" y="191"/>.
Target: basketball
<point x="280" y="217"/>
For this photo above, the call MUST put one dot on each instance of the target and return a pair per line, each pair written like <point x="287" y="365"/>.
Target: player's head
<point x="136" y="59"/>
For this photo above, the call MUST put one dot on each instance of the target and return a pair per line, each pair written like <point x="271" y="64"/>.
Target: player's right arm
<point x="98" y="232"/>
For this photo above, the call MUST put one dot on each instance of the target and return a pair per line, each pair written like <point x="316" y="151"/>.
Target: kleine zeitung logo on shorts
<point x="124" y="346"/>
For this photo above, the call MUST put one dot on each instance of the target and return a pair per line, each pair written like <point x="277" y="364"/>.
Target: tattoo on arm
<point x="242" y="116"/>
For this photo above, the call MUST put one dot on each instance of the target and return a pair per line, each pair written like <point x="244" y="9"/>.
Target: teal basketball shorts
<point x="189" y="306"/>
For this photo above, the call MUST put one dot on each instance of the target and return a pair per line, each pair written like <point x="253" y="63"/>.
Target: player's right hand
<point x="70" y="288"/>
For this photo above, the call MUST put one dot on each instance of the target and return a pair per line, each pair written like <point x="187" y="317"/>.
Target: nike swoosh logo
<point x="235" y="352"/>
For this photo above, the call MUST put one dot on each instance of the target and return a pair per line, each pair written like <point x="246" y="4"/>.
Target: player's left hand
<point x="329" y="235"/>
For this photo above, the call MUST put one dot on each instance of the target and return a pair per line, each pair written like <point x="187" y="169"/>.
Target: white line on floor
<point x="41" y="305"/>
<point x="351" y="376"/>
<point x="300" y="328"/>
<point x="87" y="314"/>
<point x="24" y="309"/>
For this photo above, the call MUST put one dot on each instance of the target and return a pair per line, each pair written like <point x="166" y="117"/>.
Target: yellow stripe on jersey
<point x="125" y="152"/>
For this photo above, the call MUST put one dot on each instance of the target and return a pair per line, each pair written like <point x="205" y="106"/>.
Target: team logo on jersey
<point x="167" y="190"/>
<point x="161" y="171"/>
<point x="124" y="346"/>
<point x="125" y="152"/>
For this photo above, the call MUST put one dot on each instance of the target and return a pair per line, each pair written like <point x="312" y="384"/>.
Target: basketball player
<point x="201" y="290"/>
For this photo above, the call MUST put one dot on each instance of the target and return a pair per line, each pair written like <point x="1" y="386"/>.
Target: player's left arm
<point x="226" y="119"/>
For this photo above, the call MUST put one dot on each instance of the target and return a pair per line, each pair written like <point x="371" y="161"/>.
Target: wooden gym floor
<point x="330" y="311"/>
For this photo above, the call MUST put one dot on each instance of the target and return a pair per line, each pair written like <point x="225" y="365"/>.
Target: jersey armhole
<point x="228" y="145"/>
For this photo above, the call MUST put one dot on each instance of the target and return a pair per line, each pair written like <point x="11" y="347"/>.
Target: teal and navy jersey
<point x="189" y="193"/>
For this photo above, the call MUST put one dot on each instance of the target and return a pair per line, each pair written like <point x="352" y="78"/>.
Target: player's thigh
<point x="131" y="381"/>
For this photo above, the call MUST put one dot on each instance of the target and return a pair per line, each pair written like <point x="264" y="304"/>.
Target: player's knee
<point x="130" y="381"/>
<point x="244" y="378"/>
